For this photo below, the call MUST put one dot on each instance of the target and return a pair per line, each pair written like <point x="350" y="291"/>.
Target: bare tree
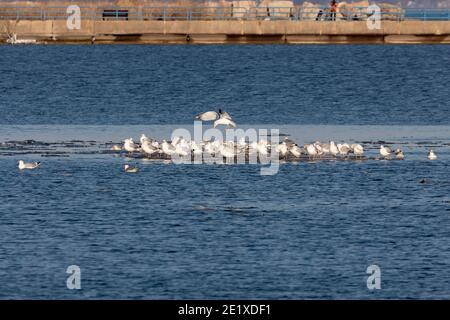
<point x="8" y="29"/>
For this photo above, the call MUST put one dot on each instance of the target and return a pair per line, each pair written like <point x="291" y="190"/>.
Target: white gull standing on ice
<point x="358" y="149"/>
<point x="385" y="151"/>
<point x="129" y="145"/>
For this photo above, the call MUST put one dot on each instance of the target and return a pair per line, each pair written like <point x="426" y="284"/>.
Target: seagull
<point x="211" y="148"/>
<point x="227" y="151"/>
<point x="295" y="150"/>
<point x="344" y="149"/>
<point x="221" y="117"/>
<point x="358" y="149"/>
<point x="261" y="146"/>
<point x="207" y="116"/>
<point x="183" y="148"/>
<point x="175" y="141"/>
<point x="241" y="145"/>
<point x="224" y="114"/>
<point x="325" y="147"/>
<point x="116" y="147"/>
<point x="129" y="169"/>
<point x="195" y="148"/>
<point x="130" y="146"/>
<point x="318" y="146"/>
<point x="385" y="151"/>
<point x="333" y="149"/>
<point x="289" y="142"/>
<point x="282" y="149"/>
<point x="311" y="150"/>
<point x="224" y="121"/>
<point x="399" y="154"/>
<point x="147" y="147"/>
<point x="167" y="148"/>
<point x="432" y="155"/>
<point x="145" y="138"/>
<point x="28" y="166"/>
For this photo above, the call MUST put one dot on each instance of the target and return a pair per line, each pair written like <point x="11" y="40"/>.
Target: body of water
<point x="223" y="231"/>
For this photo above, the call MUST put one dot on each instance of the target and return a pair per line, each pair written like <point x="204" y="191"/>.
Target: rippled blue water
<point x="256" y="84"/>
<point x="225" y="231"/>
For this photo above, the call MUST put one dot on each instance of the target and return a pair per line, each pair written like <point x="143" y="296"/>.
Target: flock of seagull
<point x="287" y="149"/>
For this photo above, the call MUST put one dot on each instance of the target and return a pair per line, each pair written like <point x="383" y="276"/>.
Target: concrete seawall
<point x="211" y="32"/>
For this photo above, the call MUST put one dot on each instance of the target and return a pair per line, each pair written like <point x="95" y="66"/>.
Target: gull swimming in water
<point x="432" y="155"/>
<point x="385" y="151"/>
<point x="116" y="147"/>
<point x="399" y="154"/>
<point x="129" y="169"/>
<point x="28" y="166"/>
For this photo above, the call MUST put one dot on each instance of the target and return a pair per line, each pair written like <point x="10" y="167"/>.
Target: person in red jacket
<point x="333" y="9"/>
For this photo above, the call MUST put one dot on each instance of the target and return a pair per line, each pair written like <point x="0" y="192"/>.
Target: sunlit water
<point x="223" y="231"/>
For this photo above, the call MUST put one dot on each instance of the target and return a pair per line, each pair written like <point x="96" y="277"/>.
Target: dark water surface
<point x="224" y="231"/>
<point x="256" y="84"/>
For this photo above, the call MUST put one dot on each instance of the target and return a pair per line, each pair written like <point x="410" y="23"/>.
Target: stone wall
<point x="279" y="31"/>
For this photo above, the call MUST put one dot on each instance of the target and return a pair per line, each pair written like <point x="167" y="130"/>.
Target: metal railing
<point x="351" y="13"/>
<point x="428" y="14"/>
<point x="167" y="13"/>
